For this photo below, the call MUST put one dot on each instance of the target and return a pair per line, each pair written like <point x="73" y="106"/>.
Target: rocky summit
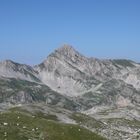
<point x="98" y="97"/>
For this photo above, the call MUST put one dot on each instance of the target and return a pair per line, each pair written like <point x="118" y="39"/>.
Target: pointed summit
<point x="66" y="49"/>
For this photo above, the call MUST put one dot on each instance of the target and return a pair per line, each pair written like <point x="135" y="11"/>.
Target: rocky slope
<point x="12" y="69"/>
<point x="72" y="74"/>
<point x="107" y="91"/>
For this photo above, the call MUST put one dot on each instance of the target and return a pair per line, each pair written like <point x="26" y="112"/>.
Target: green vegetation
<point x="123" y="62"/>
<point x="13" y="87"/>
<point x="33" y="92"/>
<point x="48" y="117"/>
<point x="16" y="125"/>
<point x="86" y="120"/>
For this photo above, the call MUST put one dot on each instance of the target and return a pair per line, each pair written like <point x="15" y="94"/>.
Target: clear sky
<point x="31" y="29"/>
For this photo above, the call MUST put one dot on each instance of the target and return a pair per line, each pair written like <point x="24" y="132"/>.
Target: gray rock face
<point x="89" y="81"/>
<point x="102" y="89"/>
<point x="12" y="69"/>
<point x="72" y="74"/>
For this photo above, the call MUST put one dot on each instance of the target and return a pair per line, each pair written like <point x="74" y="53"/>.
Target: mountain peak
<point x="7" y="62"/>
<point x="66" y="48"/>
<point x="67" y="51"/>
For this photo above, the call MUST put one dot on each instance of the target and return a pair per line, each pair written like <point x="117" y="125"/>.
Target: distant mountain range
<point x="106" y="90"/>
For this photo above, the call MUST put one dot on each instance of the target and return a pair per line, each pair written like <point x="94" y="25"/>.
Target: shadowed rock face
<point x="103" y="89"/>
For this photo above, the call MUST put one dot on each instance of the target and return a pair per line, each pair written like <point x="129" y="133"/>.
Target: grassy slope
<point x="87" y="121"/>
<point x="48" y="129"/>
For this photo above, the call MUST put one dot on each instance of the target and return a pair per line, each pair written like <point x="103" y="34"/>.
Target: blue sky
<point x="31" y="29"/>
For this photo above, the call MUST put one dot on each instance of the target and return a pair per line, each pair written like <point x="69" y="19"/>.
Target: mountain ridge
<point x="106" y="90"/>
<point x="67" y="58"/>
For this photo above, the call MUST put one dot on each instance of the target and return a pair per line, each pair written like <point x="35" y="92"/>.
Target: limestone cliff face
<point x="72" y="74"/>
<point x="106" y="90"/>
<point x="12" y="69"/>
<point x="88" y="81"/>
